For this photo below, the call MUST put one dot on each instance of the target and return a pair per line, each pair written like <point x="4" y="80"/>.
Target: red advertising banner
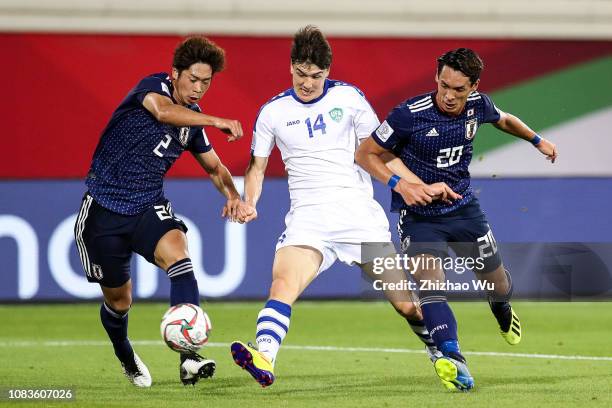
<point x="60" y="89"/>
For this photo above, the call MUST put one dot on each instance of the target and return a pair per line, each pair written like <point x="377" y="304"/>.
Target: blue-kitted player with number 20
<point x="125" y="210"/>
<point x="432" y="134"/>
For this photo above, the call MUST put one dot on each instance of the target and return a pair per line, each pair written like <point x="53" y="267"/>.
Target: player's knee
<point x="165" y="262"/>
<point x="282" y="287"/>
<point x="501" y="288"/>
<point x="408" y="310"/>
<point x="120" y="305"/>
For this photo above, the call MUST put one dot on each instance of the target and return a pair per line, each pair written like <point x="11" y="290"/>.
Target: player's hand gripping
<point x="229" y="126"/>
<point x="413" y="193"/>
<point x="246" y="212"/>
<point x="548" y="149"/>
<point x="441" y="191"/>
<point x="230" y="209"/>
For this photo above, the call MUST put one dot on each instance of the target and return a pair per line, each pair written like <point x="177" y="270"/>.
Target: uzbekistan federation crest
<point x="471" y="126"/>
<point x="336" y="114"/>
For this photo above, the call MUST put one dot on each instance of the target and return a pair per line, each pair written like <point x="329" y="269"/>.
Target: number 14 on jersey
<point x="319" y="124"/>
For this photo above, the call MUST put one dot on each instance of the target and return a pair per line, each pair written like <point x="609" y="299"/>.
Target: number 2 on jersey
<point x="164" y="144"/>
<point x="318" y="125"/>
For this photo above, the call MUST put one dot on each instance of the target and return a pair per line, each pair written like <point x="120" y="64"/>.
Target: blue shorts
<point x="465" y="230"/>
<point x="105" y="239"/>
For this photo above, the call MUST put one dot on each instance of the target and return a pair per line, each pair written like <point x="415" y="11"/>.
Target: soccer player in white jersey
<point x="317" y="125"/>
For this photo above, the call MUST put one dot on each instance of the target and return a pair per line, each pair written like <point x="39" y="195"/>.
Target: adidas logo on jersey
<point x="432" y="132"/>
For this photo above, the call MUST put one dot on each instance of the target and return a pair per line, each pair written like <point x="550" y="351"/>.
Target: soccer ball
<point x="185" y="328"/>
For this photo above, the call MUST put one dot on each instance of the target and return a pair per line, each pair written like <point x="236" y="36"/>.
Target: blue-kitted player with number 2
<point x="432" y="134"/>
<point x="125" y="210"/>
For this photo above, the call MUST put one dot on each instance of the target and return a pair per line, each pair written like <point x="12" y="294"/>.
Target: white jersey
<point x="317" y="141"/>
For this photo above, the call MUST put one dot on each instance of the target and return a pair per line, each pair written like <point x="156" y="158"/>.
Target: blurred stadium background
<point x="68" y="63"/>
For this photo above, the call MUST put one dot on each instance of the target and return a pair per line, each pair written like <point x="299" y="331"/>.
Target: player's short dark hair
<point x="464" y="60"/>
<point x="310" y="46"/>
<point x="197" y="49"/>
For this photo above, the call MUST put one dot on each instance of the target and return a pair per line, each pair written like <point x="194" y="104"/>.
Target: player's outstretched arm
<point x="369" y="156"/>
<point x="222" y="179"/>
<point x="166" y="111"/>
<point x="253" y="185"/>
<point x="516" y="127"/>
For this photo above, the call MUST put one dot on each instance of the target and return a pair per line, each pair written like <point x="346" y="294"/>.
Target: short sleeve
<point x="365" y="120"/>
<point x="151" y="84"/>
<point x="491" y="113"/>
<point x="263" y="134"/>
<point x="199" y="142"/>
<point x="396" y="128"/>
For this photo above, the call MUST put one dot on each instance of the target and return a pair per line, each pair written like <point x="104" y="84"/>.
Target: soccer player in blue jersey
<point x="432" y="134"/>
<point x="124" y="209"/>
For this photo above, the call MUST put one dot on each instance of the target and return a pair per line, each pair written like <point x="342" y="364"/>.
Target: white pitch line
<point x="101" y="343"/>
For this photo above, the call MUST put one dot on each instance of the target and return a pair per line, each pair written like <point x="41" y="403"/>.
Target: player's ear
<point x="291" y="68"/>
<point x="475" y="85"/>
<point x="175" y="73"/>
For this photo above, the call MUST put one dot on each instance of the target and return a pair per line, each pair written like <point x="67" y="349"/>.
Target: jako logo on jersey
<point x="384" y="131"/>
<point x="432" y="132"/>
<point x="336" y="114"/>
<point x="293" y="122"/>
<point x="470" y="128"/>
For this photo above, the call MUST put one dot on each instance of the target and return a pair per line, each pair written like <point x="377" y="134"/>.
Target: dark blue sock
<point x="116" y="325"/>
<point x="183" y="284"/>
<point x="439" y="319"/>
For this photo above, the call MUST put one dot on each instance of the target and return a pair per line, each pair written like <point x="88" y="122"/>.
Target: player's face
<point x="453" y="90"/>
<point x="192" y="83"/>
<point x="308" y="81"/>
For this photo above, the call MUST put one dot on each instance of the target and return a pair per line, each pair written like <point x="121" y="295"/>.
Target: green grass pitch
<point x="58" y="346"/>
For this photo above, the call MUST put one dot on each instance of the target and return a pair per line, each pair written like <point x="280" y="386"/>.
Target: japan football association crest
<point x="405" y="243"/>
<point x="336" y="114"/>
<point x="184" y="135"/>
<point x="471" y="126"/>
<point x="97" y="271"/>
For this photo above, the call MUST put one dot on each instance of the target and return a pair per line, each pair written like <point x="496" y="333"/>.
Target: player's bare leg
<point x="114" y="316"/>
<point x="171" y="254"/>
<point x="171" y="248"/>
<point x="499" y="301"/>
<point x="403" y="301"/>
<point x="293" y="269"/>
<point x="442" y="325"/>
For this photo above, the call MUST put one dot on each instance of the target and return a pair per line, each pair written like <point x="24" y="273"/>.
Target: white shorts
<point x="337" y="230"/>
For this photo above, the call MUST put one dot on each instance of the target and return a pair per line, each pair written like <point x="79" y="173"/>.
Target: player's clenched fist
<point x="246" y="212"/>
<point x="548" y="149"/>
<point x="230" y="126"/>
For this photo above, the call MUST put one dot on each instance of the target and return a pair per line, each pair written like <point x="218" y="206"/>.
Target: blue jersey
<point x="435" y="146"/>
<point x="135" y="151"/>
